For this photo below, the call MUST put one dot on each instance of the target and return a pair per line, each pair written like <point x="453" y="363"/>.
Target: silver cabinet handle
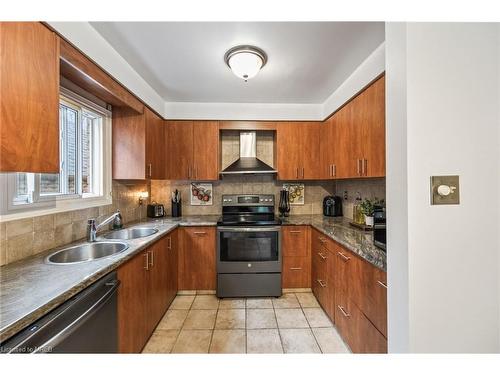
<point x="297" y="173"/>
<point x="149" y="169"/>
<point x="302" y="172"/>
<point x="365" y="167"/>
<point x="169" y="246"/>
<point x="344" y="258"/>
<point x="334" y="170"/>
<point x="152" y="263"/>
<point x="295" y="232"/>
<point x="320" y="282"/>
<point x="359" y="167"/>
<point x="322" y="256"/>
<point x="189" y="172"/>
<point x="382" y="284"/>
<point x="146" y="267"/>
<point x="200" y="233"/>
<point x="345" y="313"/>
<point x="295" y="268"/>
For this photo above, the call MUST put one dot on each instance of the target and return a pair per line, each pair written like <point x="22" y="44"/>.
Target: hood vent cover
<point x="248" y="163"/>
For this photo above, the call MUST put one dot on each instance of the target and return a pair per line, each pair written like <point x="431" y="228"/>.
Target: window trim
<point x="49" y="205"/>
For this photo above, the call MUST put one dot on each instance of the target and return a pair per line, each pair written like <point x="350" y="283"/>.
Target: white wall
<point x="87" y="39"/>
<point x="450" y="72"/>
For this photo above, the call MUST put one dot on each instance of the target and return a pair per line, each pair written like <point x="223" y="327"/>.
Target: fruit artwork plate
<point x="297" y="193"/>
<point x="201" y="194"/>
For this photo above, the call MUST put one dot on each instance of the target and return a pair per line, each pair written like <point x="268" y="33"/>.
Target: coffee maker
<point x="332" y="205"/>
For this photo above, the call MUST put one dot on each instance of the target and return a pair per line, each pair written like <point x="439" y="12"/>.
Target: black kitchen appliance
<point x="248" y="247"/>
<point x="332" y="205"/>
<point x="156" y="210"/>
<point x="379" y="228"/>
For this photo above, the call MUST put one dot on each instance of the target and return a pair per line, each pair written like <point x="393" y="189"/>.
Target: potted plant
<point x="368" y="207"/>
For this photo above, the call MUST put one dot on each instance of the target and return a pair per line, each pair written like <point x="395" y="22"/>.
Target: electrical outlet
<point x="346" y="196"/>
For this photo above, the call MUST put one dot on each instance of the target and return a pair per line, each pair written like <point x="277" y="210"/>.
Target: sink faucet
<point x="93" y="227"/>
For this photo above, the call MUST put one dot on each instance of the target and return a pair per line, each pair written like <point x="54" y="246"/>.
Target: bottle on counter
<point x="357" y="215"/>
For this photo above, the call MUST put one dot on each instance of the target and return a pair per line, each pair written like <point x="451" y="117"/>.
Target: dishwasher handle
<point x="111" y="288"/>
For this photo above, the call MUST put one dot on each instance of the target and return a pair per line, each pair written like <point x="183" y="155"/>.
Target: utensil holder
<point x="177" y="209"/>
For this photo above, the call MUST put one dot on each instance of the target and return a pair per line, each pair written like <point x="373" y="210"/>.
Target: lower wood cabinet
<point x="197" y="258"/>
<point x="296" y="251"/>
<point x="296" y="272"/>
<point x="352" y="292"/>
<point x="148" y="286"/>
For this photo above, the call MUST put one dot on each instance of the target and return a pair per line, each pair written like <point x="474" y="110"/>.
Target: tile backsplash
<point x="22" y="238"/>
<point x="367" y="188"/>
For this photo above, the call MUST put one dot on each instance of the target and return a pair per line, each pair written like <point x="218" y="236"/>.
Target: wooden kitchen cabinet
<point x="148" y="286"/>
<point x="295" y="244"/>
<point x="193" y="150"/>
<point x="197" y="258"/>
<point x="139" y="141"/>
<point x="297" y="150"/>
<point x="353" y="139"/>
<point x="29" y="88"/>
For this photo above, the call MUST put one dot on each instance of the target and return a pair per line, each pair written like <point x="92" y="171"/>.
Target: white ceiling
<point x="183" y="61"/>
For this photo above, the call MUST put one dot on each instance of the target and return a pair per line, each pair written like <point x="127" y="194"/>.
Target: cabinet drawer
<point x="296" y="272"/>
<point x="359" y="333"/>
<point x="320" y="279"/>
<point x="295" y="240"/>
<point x="319" y="240"/>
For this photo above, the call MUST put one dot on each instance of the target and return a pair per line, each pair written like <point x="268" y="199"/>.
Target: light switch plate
<point x="452" y="198"/>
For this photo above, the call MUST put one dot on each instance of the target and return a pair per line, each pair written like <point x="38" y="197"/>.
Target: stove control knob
<point x="249" y="265"/>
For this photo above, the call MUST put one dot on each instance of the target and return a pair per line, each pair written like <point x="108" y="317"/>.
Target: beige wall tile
<point x="79" y="230"/>
<point x="43" y="241"/>
<point x="43" y="223"/>
<point x="62" y="218"/>
<point x="63" y="234"/>
<point x="19" y="247"/>
<point x="18" y="227"/>
<point x="3" y="232"/>
<point x="3" y="252"/>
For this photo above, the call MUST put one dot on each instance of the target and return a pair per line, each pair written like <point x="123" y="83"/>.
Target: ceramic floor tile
<point x="161" y="341"/>
<point x="193" y="341"/>
<point x="259" y="303"/>
<point x="261" y="318"/>
<point x="317" y="318"/>
<point x="173" y="319"/>
<point x="299" y="341"/>
<point x="228" y="341"/>
<point x="329" y="340"/>
<point x="286" y="301"/>
<point x="307" y="300"/>
<point x="205" y="302"/>
<point x="182" y="303"/>
<point x="263" y="341"/>
<point x="200" y="319"/>
<point x="230" y="319"/>
<point x="232" y="303"/>
<point x="291" y="318"/>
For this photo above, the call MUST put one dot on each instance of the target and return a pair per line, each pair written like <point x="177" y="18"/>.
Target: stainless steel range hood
<point x="248" y="163"/>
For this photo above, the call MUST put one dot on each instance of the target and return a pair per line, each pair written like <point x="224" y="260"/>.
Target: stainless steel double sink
<point x="102" y="249"/>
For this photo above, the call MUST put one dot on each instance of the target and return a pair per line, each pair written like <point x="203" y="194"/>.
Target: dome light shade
<point x="245" y="61"/>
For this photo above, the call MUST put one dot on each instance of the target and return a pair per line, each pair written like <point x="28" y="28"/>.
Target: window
<point x="84" y="149"/>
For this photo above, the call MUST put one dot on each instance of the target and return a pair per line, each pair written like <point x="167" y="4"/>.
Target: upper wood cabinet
<point x="353" y="139"/>
<point x="29" y="91"/>
<point x="138" y="145"/>
<point x="193" y="150"/>
<point x="297" y="150"/>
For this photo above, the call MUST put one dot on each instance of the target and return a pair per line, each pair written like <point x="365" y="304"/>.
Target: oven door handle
<point x="248" y="229"/>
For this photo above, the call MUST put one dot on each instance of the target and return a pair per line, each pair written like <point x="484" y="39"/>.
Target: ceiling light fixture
<point x="245" y="61"/>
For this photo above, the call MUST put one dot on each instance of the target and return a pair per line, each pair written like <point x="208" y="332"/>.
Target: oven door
<point x="248" y="249"/>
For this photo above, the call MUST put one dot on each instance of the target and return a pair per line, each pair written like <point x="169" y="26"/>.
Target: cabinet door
<point x="310" y="140"/>
<point x="29" y="88"/>
<point x="374" y="129"/>
<point x="129" y="146"/>
<point x="172" y="266"/>
<point x="180" y="149"/>
<point x="158" y="282"/>
<point x="344" y="161"/>
<point x="155" y="146"/>
<point x="289" y="152"/>
<point x="327" y="145"/>
<point x="205" y="162"/>
<point x="197" y="259"/>
<point x="132" y="304"/>
<point x="319" y="273"/>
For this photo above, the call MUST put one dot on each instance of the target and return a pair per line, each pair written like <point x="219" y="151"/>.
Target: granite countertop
<point x="30" y="288"/>
<point x="338" y="229"/>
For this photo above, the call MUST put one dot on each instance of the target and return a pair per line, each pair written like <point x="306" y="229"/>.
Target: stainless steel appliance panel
<point x="249" y="285"/>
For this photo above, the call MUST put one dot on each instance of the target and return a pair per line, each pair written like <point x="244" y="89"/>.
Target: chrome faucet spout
<point x="93" y="227"/>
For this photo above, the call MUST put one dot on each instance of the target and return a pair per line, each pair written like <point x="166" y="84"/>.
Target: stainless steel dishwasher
<point x="87" y="323"/>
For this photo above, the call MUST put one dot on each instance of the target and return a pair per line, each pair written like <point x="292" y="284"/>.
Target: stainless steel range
<point x="248" y="247"/>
